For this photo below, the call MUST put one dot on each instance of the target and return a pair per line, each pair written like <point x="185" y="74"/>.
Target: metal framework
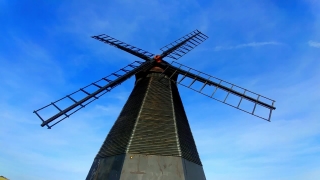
<point x="174" y="50"/>
<point x="182" y="46"/>
<point x="120" y="75"/>
<point x="206" y="80"/>
<point x="145" y="55"/>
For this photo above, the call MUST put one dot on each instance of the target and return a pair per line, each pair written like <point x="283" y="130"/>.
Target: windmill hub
<point x="158" y="58"/>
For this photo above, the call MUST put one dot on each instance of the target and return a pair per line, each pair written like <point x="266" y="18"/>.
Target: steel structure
<point x="152" y="139"/>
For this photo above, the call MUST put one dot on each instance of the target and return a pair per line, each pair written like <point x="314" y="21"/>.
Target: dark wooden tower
<point x="152" y="139"/>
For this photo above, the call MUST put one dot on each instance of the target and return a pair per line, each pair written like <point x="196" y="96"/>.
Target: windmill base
<point x="144" y="167"/>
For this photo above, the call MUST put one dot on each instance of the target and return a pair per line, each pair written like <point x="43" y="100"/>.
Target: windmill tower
<point x="152" y="139"/>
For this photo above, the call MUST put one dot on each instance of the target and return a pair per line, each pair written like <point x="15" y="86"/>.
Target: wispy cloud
<point x="314" y="44"/>
<point x="252" y="44"/>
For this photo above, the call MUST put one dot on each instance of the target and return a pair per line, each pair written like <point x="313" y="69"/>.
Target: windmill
<point x="151" y="138"/>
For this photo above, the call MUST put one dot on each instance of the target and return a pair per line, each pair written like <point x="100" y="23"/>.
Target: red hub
<point x="157" y="58"/>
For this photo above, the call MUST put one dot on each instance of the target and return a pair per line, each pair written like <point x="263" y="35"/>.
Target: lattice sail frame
<point x="188" y="42"/>
<point x="91" y="92"/>
<point x="205" y="80"/>
<point x="124" y="46"/>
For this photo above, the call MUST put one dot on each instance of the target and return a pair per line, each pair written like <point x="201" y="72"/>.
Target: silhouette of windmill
<point x="152" y="139"/>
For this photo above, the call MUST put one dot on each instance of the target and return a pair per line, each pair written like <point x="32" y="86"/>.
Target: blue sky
<point x="270" y="47"/>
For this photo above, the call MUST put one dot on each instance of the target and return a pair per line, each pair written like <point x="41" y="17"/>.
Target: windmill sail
<point x="221" y="91"/>
<point x="91" y="92"/>
<point x="183" y="45"/>
<point x="124" y="46"/>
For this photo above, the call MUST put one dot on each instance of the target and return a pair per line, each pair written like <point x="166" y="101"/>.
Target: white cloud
<point x="252" y="44"/>
<point x="314" y="44"/>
